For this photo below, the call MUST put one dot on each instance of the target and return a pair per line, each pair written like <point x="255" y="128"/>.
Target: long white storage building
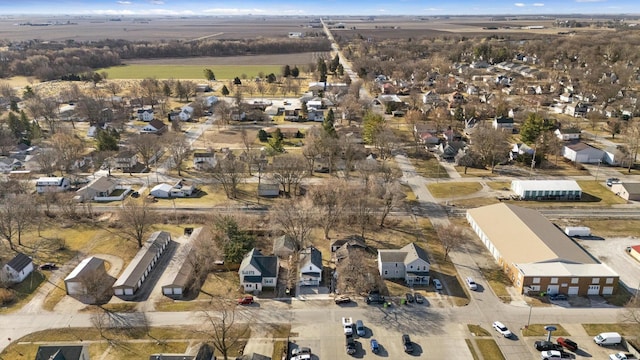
<point x="183" y="267"/>
<point x="547" y="189"/>
<point x="142" y="264"/>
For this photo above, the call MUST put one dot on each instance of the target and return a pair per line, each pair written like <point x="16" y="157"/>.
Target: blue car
<point x="374" y="346"/>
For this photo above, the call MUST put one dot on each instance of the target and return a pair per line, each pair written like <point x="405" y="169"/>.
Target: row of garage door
<point x="573" y="290"/>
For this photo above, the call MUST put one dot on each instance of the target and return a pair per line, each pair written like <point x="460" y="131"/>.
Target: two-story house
<point x="145" y="114"/>
<point x="310" y="266"/>
<point x="258" y="271"/>
<point x="503" y="123"/>
<point x="125" y="160"/>
<point x="410" y="263"/>
<point x="203" y="160"/>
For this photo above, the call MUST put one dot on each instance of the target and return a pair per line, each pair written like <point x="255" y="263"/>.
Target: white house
<point x="125" y="160"/>
<point x="568" y="134"/>
<point x="258" y="271"/>
<point x="310" y="266"/>
<point x="547" y="189"/>
<point x="203" y="160"/>
<point x="162" y="191"/>
<point x="186" y="113"/>
<point x="102" y="189"/>
<point x="431" y="97"/>
<point x="52" y="184"/>
<point x="145" y="114"/>
<point x="504" y="123"/>
<point x="154" y="126"/>
<point x="315" y="115"/>
<point x="520" y="149"/>
<point x="582" y="153"/>
<point x="410" y="263"/>
<point x="180" y="189"/>
<point x="17" y="269"/>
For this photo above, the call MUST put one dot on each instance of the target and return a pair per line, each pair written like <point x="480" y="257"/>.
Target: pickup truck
<point x="622" y="356"/>
<point x="376" y="298"/>
<point x="347" y="324"/>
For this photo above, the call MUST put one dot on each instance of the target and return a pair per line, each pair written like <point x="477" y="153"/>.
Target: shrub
<point x="6" y="296"/>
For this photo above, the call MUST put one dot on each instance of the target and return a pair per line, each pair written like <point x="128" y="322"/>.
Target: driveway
<point x="612" y="252"/>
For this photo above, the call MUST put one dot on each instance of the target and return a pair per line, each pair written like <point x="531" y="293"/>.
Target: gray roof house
<point x="258" y="271"/>
<point x="63" y="352"/>
<point x="17" y="269"/>
<point x="310" y="266"/>
<point x="410" y="263"/>
<point x="284" y="246"/>
<point x="142" y="264"/>
<point x="580" y="152"/>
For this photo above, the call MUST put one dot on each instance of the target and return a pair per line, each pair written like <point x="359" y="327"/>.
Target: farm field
<point x="140" y="71"/>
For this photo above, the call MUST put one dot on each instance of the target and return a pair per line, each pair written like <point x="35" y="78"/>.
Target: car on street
<point x="48" y="266"/>
<point x="301" y="350"/>
<point x="409" y="297"/>
<point x="245" y="300"/>
<point x="407" y="344"/>
<point x="375" y="347"/>
<point x="471" y="283"/>
<point x="437" y="284"/>
<point x="419" y="298"/>
<point x="554" y="355"/>
<point x="302" y="357"/>
<point x="342" y="299"/>
<point x="499" y="327"/>
<point x="567" y="343"/>
<point x="611" y="181"/>
<point x="558" y="297"/>
<point x="546" y="345"/>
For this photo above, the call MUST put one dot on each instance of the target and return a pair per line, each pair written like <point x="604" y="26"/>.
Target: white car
<point x="302" y="357"/>
<point x="502" y="329"/>
<point x="471" y="284"/>
<point x="301" y="350"/>
<point x="554" y="355"/>
<point x="347" y="324"/>
<point x="437" y="284"/>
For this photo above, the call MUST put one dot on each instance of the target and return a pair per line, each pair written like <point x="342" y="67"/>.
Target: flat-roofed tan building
<point x="537" y="255"/>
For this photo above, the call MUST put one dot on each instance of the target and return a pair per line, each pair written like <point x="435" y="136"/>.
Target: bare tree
<point x="312" y="149"/>
<point x="179" y="149"/>
<point x="229" y="172"/>
<point x="223" y="113"/>
<point x="147" y="146"/>
<point x="631" y="313"/>
<point x="222" y="327"/>
<point x="136" y="219"/>
<point x="361" y="208"/>
<point x="451" y="236"/>
<point x="389" y="195"/>
<point x="633" y="142"/>
<point x="358" y="273"/>
<point x="68" y="148"/>
<point x="150" y="90"/>
<point x="296" y="219"/>
<point x="491" y="144"/>
<point x="330" y="200"/>
<point x="44" y="108"/>
<point x="17" y="213"/>
<point x="289" y="170"/>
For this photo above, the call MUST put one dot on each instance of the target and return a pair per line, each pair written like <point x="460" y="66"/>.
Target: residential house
<point x="547" y="189"/>
<point x="89" y="280"/>
<point x="186" y="113"/>
<point x="154" y="126"/>
<point x="142" y="264"/>
<point x="180" y="189"/>
<point x="102" y="189"/>
<point x="410" y="263"/>
<point x="615" y="156"/>
<point x="258" y="271"/>
<point x="520" y="149"/>
<point x="125" y="160"/>
<point x="456" y="98"/>
<point x="580" y="152"/>
<point x="62" y="352"/>
<point x="145" y="114"/>
<point x="284" y="246"/>
<point x="448" y="151"/>
<point x="203" y="88"/>
<point x="568" y="134"/>
<point x="52" y="184"/>
<point x="268" y="189"/>
<point x="536" y="255"/>
<point x="472" y="90"/>
<point x="503" y="123"/>
<point x="578" y="109"/>
<point x="315" y="115"/>
<point x="627" y="190"/>
<point x="351" y="241"/>
<point x="566" y="97"/>
<point x="431" y="97"/>
<point x="310" y="267"/>
<point x="204" y="160"/>
<point x="17" y="269"/>
<point x="8" y="164"/>
<point x="635" y="252"/>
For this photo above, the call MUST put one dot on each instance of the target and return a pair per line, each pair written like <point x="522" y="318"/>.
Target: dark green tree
<point x="373" y="124"/>
<point x="328" y="124"/>
<point x="263" y="136"/>
<point x="295" y="72"/>
<point x="237" y="81"/>
<point x="209" y="75"/>
<point x="458" y="115"/>
<point x="286" y="71"/>
<point x="276" y="142"/>
<point x="236" y="242"/>
<point x="534" y="126"/>
<point x="225" y="91"/>
<point x="107" y="140"/>
<point x="271" y="78"/>
<point x="333" y="66"/>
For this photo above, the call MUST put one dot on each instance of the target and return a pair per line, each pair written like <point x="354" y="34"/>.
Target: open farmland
<point x="140" y="71"/>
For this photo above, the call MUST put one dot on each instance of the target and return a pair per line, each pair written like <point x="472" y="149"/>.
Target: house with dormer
<point x="145" y="114"/>
<point x="310" y="267"/>
<point x="410" y="263"/>
<point x="258" y="271"/>
<point x="154" y="126"/>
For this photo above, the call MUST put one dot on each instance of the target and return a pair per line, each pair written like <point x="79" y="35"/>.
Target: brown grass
<point x="489" y="349"/>
<point x="477" y="330"/>
<point x="498" y="281"/>
<point x="624" y="329"/>
<point x="454" y="189"/>
<point x="538" y="330"/>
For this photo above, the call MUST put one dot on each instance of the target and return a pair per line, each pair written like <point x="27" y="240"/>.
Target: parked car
<point x="419" y="298"/>
<point x="48" y="266"/>
<point x="301" y="350"/>
<point x="471" y="283"/>
<point x="246" y="300"/>
<point x="611" y="181"/>
<point x="375" y="347"/>
<point x="351" y="344"/>
<point x="554" y="355"/>
<point x="558" y="296"/>
<point x="375" y="297"/>
<point x="302" y="357"/>
<point x="409" y="297"/>
<point x="567" y="343"/>
<point x="360" y="328"/>
<point x="499" y="327"/>
<point x="546" y="346"/>
<point x="407" y="344"/>
<point x="342" y="299"/>
<point x="347" y="325"/>
<point x="437" y="284"/>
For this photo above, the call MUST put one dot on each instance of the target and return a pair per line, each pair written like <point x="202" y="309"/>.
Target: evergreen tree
<point x="262" y="135"/>
<point x="533" y="127"/>
<point x="107" y="140"/>
<point x="237" y="81"/>
<point x="275" y="143"/>
<point x="295" y="72"/>
<point x="286" y="71"/>
<point x="225" y="90"/>
<point x="271" y="78"/>
<point x="209" y="75"/>
<point x="328" y="124"/>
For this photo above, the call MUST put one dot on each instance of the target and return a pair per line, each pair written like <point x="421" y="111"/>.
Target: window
<point x="609" y="280"/>
<point x="536" y="280"/>
<point x="410" y="266"/>
<point x="554" y="280"/>
<point x="386" y="272"/>
<point x="574" y="280"/>
<point x="595" y="280"/>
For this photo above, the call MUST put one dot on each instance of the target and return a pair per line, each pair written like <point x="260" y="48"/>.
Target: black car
<point x="350" y="344"/>
<point x="407" y="344"/>
<point x="375" y="297"/>
<point x="409" y="297"/>
<point x="546" y="346"/>
<point x="48" y="266"/>
<point x="558" y="297"/>
<point x="419" y="298"/>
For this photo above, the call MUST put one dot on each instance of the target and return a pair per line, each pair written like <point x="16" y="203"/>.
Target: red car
<point x="246" y="300"/>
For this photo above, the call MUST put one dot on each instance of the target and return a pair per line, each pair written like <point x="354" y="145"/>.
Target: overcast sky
<point x="317" y="7"/>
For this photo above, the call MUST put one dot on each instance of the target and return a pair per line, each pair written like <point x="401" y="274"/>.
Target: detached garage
<point x="88" y="280"/>
<point x="182" y="264"/>
<point x="627" y="191"/>
<point x="582" y="153"/>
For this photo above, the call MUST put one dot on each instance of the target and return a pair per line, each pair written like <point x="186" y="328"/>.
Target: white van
<point x="608" y="338"/>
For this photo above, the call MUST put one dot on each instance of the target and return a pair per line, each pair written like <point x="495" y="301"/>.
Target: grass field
<point x="142" y="71"/>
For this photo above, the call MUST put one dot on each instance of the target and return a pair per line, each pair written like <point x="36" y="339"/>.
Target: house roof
<point x="414" y="252"/>
<point x="59" y="352"/>
<point x="143" y="258"/>
<point x="310" y="256"/>
<point x="86" y="267"/>
<point x="407" y="254"/>
<point x="284" y="242"/>
<point x="579" y="146"/>
<point x="162" y="187"/>
<point x="267" y="265"/>
<point x="522" y="236"/>
<point x="183" y="256"/>
<point x="203" y="154"/>
<point x="504" y="120"/>
<point x="101" y="184"/>
<point x="561" y="269"/>
<point x="561" y="185"/>
<point x="636" y="248"/>
<point x="19" y="262"/>
<point x="352" y="240"/>
<point x="125" y="154"/>
<point x="631" y="188"/>
<point x="157" y="124"/>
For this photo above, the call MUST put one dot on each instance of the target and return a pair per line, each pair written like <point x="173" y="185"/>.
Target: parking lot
<point x="612" y="252"/>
